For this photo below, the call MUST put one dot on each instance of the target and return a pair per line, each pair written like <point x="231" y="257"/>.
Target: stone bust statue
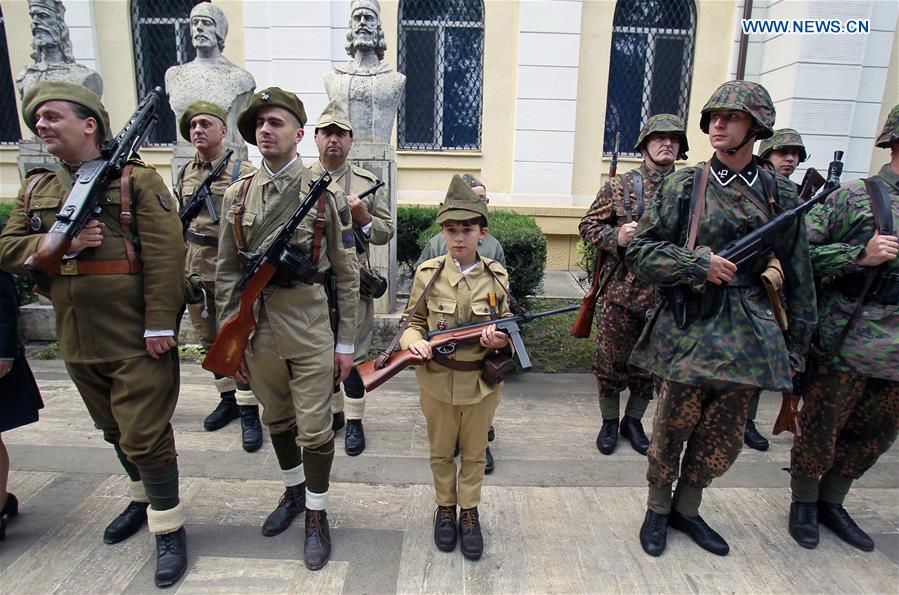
<point x="53" y="56"/>
<point x="367" y="88"/>
<point x="210" y="76"/>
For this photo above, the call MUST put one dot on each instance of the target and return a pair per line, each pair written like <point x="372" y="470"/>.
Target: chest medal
<point x="441" y="324"/>
<point x="34" y="222"/>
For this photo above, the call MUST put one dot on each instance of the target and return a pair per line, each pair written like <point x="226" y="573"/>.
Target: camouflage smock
<point x="838" y="230"/>
<point x="741" y="344"/>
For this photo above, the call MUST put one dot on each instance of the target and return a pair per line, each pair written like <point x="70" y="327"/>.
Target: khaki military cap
<point x="44" y="91"/>
<point x="195" y="109"/>
<point x="271" y="97"/>
<point x="461" y="203"/>
<point x="334" y="114"/>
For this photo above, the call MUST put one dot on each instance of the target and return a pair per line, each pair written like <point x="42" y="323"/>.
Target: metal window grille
<point x="651" y="66"/>
<point x="441" y="52"/>
<point x="161" y="34"/>
<point x="9" y="119"/>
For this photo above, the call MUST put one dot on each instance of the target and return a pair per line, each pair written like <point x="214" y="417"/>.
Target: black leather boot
<point x="250" y="427"/>
<point x="10" y="509"/>
<point x="317" y="548"/>
<point x="654" y="533"/>
<point x="608" y="436"/>
<point x="338" y="420"/>
<point x="835" y="518"/>
<point x="632" y="429"/>
<point x="292" y="503"/>
<point x="698" y="530"/>
<point x="171" y="557"/>
<point x="753" y="439"/>
<point x="354" y="441"/>
<point x="127" y="523"/>
<point x="803" y="524"/>
<point x="491" y="434"/>
<point x="470" y="532"/>
<point x="445" y="532"/>
<point x="223" y="414"/>
<point x="490" y="465"/>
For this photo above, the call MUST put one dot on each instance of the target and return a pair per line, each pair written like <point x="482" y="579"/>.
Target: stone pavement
<point x="558" y="516"/>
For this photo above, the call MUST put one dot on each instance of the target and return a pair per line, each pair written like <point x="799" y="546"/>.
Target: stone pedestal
<point x="380" y="159"/>
<point x="32" y="154"/>
<point x="184" y="152"/>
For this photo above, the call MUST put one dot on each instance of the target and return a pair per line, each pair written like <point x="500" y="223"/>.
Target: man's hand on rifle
<point x="720" y="271"/>
<point x="243" y="372"/>
<point x="358" y="210"/>
<point x="879" y="250"/>
<point x="421" y="348"/>
<point x="493" y="339"/>
<point x="343" y="364"/>
<point x="156" y="346"/>
<point x="89" y="237"/>
<point x="626" y="233"/>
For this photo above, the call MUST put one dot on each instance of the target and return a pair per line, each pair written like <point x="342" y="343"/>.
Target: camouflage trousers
<point x="617" y="331"/>
<point x="847" y="422"/>
<point x="710" y="421"/>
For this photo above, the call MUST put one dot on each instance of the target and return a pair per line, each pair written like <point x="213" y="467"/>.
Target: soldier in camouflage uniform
<point x="780" y="153"/>
<point x="609" y="225"/>
<point x="713" y="361"/>
<point x="203" y="125"/>
<point x="850" y="413"/>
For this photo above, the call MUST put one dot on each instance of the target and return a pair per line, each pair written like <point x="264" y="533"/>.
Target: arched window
<point x="441" y="52"/>
<point x="651" y="66"/>
<point x="161" y="35"/>
<point x="9" y="119"/>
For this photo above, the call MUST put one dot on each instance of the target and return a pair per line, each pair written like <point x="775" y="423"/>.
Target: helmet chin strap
<point x="749" y="136"/>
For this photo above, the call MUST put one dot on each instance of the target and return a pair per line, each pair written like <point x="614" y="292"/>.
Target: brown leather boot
<point x="292" y="503"/>
<point x="317" y="548"/>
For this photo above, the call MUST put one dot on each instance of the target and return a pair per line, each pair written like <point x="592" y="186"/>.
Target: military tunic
<point x="625" y="300"/>
<point x="456" y="404"/>
<point x="850" y="412"/>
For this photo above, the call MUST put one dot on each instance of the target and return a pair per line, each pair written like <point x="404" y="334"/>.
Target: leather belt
<point x="454" y="364"/>
<point x="287" y="278"/>
<point x="201" y="240"/>
<point x="74" y="267"/>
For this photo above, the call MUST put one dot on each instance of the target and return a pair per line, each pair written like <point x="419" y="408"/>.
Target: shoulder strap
<point x="638" y="191"/>
<point x="880" y="204"/>
<point x="382" y="357"/>
<point x="769" y="185"/>
<point x="626" y="199"/>
<point x="235" y="171"/>
<point x="238" y="209"/>
<point x="180" y="180"/>
<point x="697" y="202"/>
<point x="29" y="188"/>
<point x="513" y="303"/>
<point x="319" y="229"/>
<point x="125" y="218"/>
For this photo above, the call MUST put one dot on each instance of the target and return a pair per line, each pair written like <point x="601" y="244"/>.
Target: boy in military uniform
<point x="203" y="125"/>
<point x="721" y="352"/>
<point x="292" y="360"/>
<point x="372" y="224"/>
<point x="457" y="402"/>
<point x="609" y="225"/>
<point x="116" y="300"/>
<point x="850" y="411"/>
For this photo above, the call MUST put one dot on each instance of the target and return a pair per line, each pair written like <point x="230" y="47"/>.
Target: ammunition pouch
<point x="194" y="289"/>
<point x="884" y="289"/>
<point x="371" y="283"/>
<point x="496" y="366"/>
<point x="773" y="282"/>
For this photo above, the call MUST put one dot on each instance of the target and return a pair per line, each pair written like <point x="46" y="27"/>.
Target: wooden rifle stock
<point x="584" y="323"/>
<point x="230" y="344"/>
<point x="788" y="417"/>
<point x="44" y="264"/>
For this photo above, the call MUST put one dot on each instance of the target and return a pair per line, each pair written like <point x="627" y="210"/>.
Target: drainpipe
<point x="744" y="42"/>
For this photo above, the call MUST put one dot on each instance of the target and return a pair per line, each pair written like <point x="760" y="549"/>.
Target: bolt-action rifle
<point x="203" y="196"/>
<point x="447" y="341"/>
<point x="91" y="179"/>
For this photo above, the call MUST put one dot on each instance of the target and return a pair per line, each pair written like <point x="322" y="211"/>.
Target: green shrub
<point x="523" y="243"/>
<point x="23" y="284"/>
<point x="587" y="261"/>
<point x="5" y="212"/>
<point x="410" y="222"/>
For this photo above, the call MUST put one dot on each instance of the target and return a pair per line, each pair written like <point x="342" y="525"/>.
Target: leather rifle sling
<point x="699" y="206"/>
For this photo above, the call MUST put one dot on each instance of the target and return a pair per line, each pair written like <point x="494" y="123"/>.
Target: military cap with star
<point x="44" y="91"/>
<point x="461" y="203"/>
<point x="195" y="109"/>
<point x="270" y="97"/>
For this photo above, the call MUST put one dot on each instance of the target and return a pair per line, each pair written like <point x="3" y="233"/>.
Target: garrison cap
<point x="270" y="97"/>
<point x="783" y="138"/>
<point x="664" y="124"/>
<point x="195" y="109"/>
<point x="45" y="91"/>
<point x="744" y="96"/>
<point x="461" y="203"/>
<point x="472" y="181"/>
<point x="890" y="132"/>
<point x="336" y="115"/>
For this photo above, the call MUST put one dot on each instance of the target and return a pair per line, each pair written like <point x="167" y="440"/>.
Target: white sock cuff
<point x="245" y="398"/>
<point x="225" y="385"/>
<point x="337" y="402"/>
<point x="354" y="408"/>
<point x="137" y="491"/>
<point x="316" y="501"/>
<point x="165" y="521"/>
<point x="293" y="477"/>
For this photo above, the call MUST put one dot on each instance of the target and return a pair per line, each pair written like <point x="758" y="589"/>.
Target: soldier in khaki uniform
<point x="372" y="224"/>
<point x="203" y="125"/>
<point x="116" y="300"/>
<point x="292" y="361"/>
<point x="456" y="401"/>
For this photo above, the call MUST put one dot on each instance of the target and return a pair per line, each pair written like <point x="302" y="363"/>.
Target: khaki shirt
<point x="298" y="316"/>
<point x="454" y="299"/>
<point x="201" y="259"/>
<point x="101" y="318"/>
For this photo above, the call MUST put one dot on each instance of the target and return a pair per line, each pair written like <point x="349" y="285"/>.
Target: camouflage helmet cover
<point x="664" y="123"/>
<point x="890" y="132"/>
<point x="744" y="96"/>
<point x="782" y="139"/>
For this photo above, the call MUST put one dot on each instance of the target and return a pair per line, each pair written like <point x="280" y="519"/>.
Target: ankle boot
<point x="338" y="420"/>
<point x="292" y="503"/>
<point x="632" y="429"/>
<point x="127" y="523"/>
<point x="608" y="436"/>
<point x="354" y="440"/>
<point x="10" y="509"/>
<point x="803" y="524"/>
<point x="171" y="557"/>
<point x="753" y="439"/>
<point x="470" y="532"/>
<point x="654" y="533"/>
<point x="223" y="414"/>
<point x="490" y="465"/>
<point x="445" y="532"/>
<point x="700" y="532"/>
<point x="317" y="548"/>
<point x="835" y="518"/>
<point x="250" y="427"/>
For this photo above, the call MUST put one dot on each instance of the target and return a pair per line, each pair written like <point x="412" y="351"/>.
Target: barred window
<point x="9" y="118"/>
<point x="161" y="33"/>
<point x="651" y="66"/>
<point x="441" y="52"/>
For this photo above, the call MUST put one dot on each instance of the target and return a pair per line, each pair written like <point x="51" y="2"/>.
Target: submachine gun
<point x="203" y="196"/>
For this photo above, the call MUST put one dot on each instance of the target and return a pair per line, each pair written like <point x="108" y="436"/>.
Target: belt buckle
<point x="68" y="267"/>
